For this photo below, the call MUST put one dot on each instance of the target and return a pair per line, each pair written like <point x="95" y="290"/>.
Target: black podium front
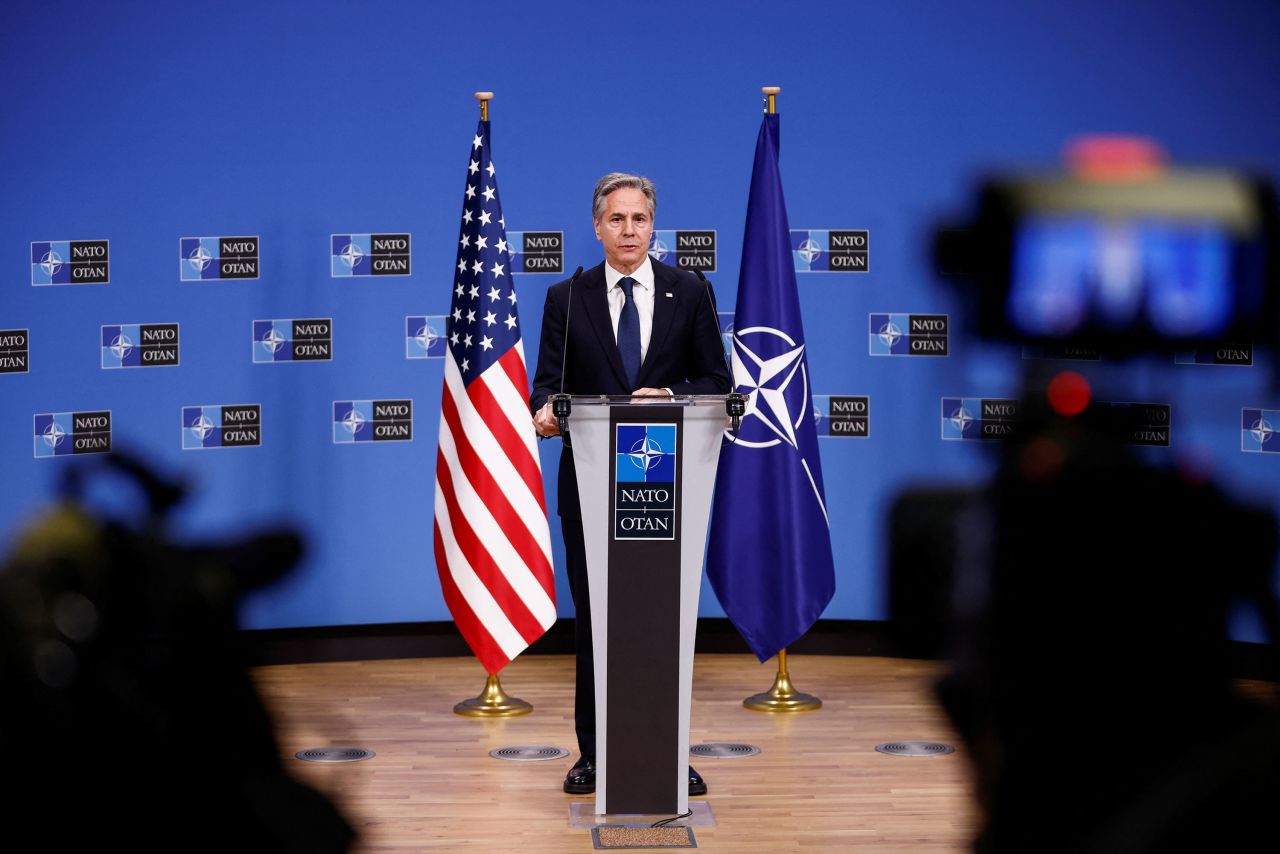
<point x="646" y="471"/>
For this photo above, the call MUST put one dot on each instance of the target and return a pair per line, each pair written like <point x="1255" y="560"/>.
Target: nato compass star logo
<point x="768" y="367"/>
<point x="53" y="435"/>
<point x="658" y="250"/>
<point x="121" y="346"/>
<point x="1258" y="431"/>
<point x="889" y="334"/>
<point x="809" y="249"/>
<point x="203" y="427"/>
<point x="50" y="263"/>
<point x="353" y="421"/>
<point x="274" y="340"/>
<point x="646" y="454"/>
<point x="351" y="255"/>
<point x="200" y="258"/>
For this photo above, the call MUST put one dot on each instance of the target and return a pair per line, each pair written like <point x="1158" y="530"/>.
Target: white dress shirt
<point x="642" y="292"/>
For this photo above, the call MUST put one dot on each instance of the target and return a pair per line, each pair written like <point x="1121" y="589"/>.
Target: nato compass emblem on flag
<point x="1258" y="431"/>
<point x="235" y="426"/>
<point x="205" y="258"/>
<point x="70" y="262"/>
<point x="60" y="434"/>
<point x="368" y="255"/>
<point x="356" y="421"/>
<point x="816" y="250"/>
<point x="768" y="367"/>
<point x="644" y="482"/>
<point x="424" y="336"/>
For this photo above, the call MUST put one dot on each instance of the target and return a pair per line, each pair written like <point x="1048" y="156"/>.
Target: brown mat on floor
<point x="611" y="837"/>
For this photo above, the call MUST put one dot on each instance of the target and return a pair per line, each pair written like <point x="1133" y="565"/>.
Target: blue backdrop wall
<point x="142" y="124"/>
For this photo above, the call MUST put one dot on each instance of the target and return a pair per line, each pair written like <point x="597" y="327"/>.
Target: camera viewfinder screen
<point x="1074" y="275"/>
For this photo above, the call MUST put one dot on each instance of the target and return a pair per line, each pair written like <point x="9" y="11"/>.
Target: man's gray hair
<point x="616" y="181"/>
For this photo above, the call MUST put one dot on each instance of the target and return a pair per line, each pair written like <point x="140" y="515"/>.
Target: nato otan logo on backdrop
<point x="842" y="416"/>
<point x="1143" y="423"/>
<point x="1258" y="430"/>
<point x="534" y="251"/>
<point x="424" y="336"/>
<point x="369" y="255"/>
<point x="1061" y="352"/>
<point x="140" y="345"/>
<point x="70" y="262"/>
<point x="372" y="421"/>
<point x="819" y="250"/>
<point x="221" y="426"/>
<point x="687" y="249"/>
<point x="309" y="340"/>
<point x="15" y="351"/>
<point x="907" y="334"/>
<point x="977" y="418"/>
<point x="203" y="258"/>
<point x="644" y="497"/>
<point x="1238" y="355"/>
<point x="59" y="434"/>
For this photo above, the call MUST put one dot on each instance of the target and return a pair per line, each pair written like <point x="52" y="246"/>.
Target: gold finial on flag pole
<point x="782" y="697"/>
<point x="484" y="98"/>
<point x="493" y="702"/>
<point x="771" y="98"/>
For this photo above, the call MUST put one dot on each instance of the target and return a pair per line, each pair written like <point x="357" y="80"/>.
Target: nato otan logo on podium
<point x="842" y="416"/>
<point x="644" y="505"/>
<point x="686" y="249"/>
<point x="967" y="419"/>
<point x="354" y="255"/>
<point x="202" y="259"/>
<point x="70" y="262"/>
<point x="60" y="434"/>
<point x="15" y="351"/>
<point x="532" y="251"/>
<point x="908" y="334"/>
<point x="424" y="336"/>
<point x="1258" y="431"/>
<point x="356" y="421"/>
<point x="819" y="250"/>
<point x="140" y="345"/>
<point x="221" y="426"/>
<point x="306" y="340"/>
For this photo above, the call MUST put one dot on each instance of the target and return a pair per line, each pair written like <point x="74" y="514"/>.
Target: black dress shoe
<point x="697" y="786"/>
<point x="581" y="779"/>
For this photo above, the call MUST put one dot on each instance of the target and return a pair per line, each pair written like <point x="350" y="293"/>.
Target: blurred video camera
<point x="125" y="706"/>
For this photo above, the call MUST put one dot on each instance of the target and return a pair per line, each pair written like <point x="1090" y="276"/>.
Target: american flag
<point x="492" y="543"/>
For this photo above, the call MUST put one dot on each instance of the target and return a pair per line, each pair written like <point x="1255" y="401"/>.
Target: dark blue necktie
<point x="629" y="333"/>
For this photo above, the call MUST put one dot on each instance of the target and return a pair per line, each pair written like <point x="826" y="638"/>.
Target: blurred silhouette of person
<point x="1090" y="676"/>
<point x="127" y="718"/>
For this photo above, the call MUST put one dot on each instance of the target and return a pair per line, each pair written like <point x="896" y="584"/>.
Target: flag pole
<point x="782" y="697"/>
<point x="492" y="702"/>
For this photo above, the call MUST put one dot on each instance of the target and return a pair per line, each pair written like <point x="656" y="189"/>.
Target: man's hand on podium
<point x="545" y="422"/>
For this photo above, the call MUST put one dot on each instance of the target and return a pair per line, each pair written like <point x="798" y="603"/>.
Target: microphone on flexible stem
<point x="735" y="404"/>
<point x="561" y="403"/>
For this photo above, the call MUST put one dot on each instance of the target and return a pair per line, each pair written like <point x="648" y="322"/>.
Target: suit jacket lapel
<point x="596" y="302"/>
<point x="664" y="309"/>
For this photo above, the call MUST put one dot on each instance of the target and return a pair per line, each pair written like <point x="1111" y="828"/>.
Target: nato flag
<point x="769" y="558"/>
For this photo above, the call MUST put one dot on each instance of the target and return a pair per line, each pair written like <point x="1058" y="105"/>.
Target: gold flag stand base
<point x="493" y="702"/>
<point x="782" y="697"/>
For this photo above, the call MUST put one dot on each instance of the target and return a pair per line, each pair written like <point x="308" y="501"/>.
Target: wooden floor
<point x="817" y="786"/>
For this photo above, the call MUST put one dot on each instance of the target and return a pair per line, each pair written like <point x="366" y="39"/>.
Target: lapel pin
<point x="668" y="293"/>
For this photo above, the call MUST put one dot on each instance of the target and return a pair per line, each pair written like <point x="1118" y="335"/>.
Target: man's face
<point x="624" y="228"/>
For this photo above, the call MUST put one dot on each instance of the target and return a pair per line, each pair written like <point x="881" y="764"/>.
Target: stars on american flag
<point x="484" y="257"/>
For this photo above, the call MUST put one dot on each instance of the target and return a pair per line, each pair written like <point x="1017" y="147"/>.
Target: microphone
<point x="735" y="404"/>
<point x="560" y="402"/>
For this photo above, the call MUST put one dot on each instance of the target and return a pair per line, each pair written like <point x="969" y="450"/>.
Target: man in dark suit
<point x="636" y="327"/>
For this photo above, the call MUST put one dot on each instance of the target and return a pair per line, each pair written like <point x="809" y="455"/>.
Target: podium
<point x="646" y="470"/>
